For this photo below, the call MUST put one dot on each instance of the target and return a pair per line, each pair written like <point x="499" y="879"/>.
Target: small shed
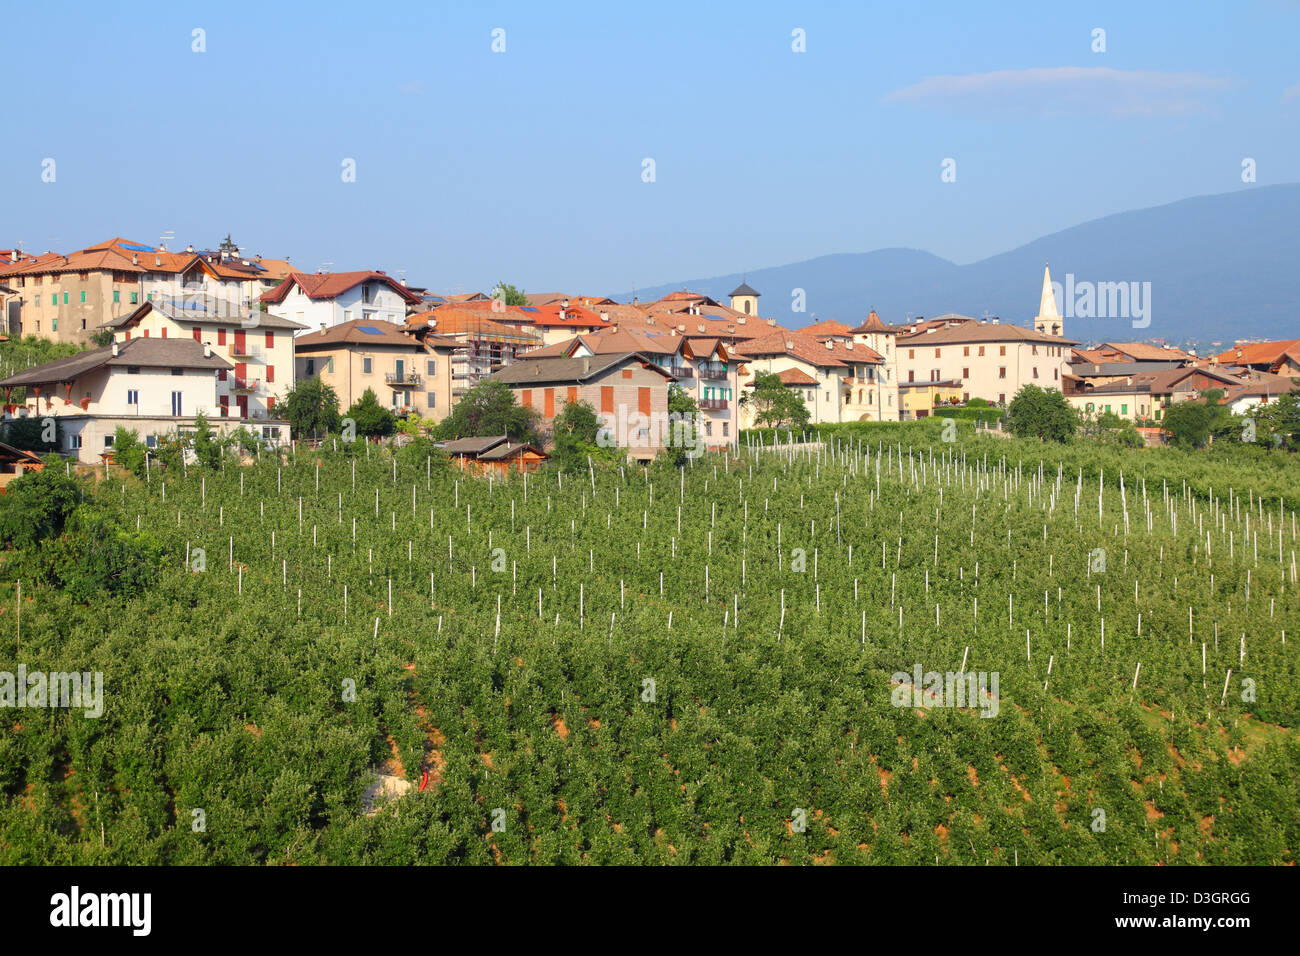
<point x="497" y="454"/>
<point x="15" y="462"/>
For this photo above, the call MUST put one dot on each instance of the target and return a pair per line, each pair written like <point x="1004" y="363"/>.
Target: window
<point x="526" y="398"/>
<point x="178" y="371"/>
<point x="198" y="335"/>
<point x="548" y="398"/>
<point x="65" y="298"/>
<point x="1033" y="349"/>
<point x="133" y="370"/>
<point x="1002" y="398"/>
<point x="1056" y="374"/>
<point x="1002" y="372"/>
<point x="365" y="292"/>
<point x="74" y="441"/>
<point x="965" y="373"/>
<point x="607" y="398"/>
<point x="432" y="368"/>
<point x="965" y="350"/>
<point x="934" y="375"/>
<point x="135" y="298"/>
<point x="108" y="441"/>
<point x="311" y="366"/>
<point x="164" y="331"/>
<point x="270" y="404"/>
<point x="936" y="353"/>
<point x="270" y="340"/>
<point x="151" y="441"/>
<point x="981" y="351"/>
<point x="132" y="397"/>
<point x="270" y="374"/>
<point x="221" y="336"/>
<point x="329" y="365"/>
<point x="83" y="296"/>
<point x="221" y="372"/>
<point x="54" y="325"/>
<point x="177" y="405"/>
<point x="1002" y="350"/>
<point x="1035" y="371"/>
<point x="911" y="375"/>
<point x="347" y="316"/>
<point x="366" y="365"/>
<point x="911" y="353"/>
<point x="726" y="429"/>
<point x="117" y="296"/>
<point x="431" y="399"/>
<point x="1123" y="409"/>
<point x="708" y="428"/>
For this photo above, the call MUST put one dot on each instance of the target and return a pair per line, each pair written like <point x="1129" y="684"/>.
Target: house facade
<point x="380" y="356"/>
<point x="324" y="300"/>
<point x="154" y="386"/>
<point x="629" y="392"/>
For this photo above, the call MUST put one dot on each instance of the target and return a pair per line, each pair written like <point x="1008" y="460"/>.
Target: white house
<point x="155" y="386"/>
<point x="257" y="344"/>
<point x="326" y="299"/>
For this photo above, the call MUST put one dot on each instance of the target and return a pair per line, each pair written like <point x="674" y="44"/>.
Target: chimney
<point x="586" y="366"/>
<point x="207" y="350"/>
<point x="189" y="248"/>
<point x="157" y="260"/>
<point x="115" y="352"/>
<point x="849" y="346"/>
<point x="604" y="316"/>
<point x="635" y="300"/>
<point x="135" y="259"/>
<point x="830" y="346"/>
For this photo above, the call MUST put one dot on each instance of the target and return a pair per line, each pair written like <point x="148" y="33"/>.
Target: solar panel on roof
<point x="137" y="248"/>
<point x="527" y="308"/>
<point x="369" y="330"/>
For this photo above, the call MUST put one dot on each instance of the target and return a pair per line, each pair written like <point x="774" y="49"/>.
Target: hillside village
<point x="168" y="336"/>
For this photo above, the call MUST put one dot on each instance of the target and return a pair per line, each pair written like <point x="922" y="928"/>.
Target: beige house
<point x="839" y="381"/>
<point x="405" y="375"/>
<point x="883" y="338"/>
<point x="629" y="391"/>
<point x="154" y="386"/>
<point x="990" y="360"/>
<point x="1144" y="396"/>
<point x="67" y="298"/>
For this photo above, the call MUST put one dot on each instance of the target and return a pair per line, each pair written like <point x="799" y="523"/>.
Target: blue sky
<point x="526" y="165"/>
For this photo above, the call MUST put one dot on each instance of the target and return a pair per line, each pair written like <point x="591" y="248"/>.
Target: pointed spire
<point x="1048" y="319"/>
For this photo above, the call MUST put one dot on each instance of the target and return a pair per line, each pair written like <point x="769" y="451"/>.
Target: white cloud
<point x="1066" y="90"/>
<point x="1291" y="93"/>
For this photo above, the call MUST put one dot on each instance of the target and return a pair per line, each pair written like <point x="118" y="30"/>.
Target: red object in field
<point x="424" y="781"/>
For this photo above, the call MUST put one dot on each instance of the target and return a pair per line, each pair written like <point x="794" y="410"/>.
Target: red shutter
<point x="270" y="340"/>
<point x="198" y="335"/>
<point x="270" y="374"/>
<point x="526" y="398"/>
<point x="573" y="394"/>
<point x="607" y="398"/>
<point x="221" y="336"/>
<point x="221" y="377"/>
<point x="550" y="403"/>
<point x="643" y="400"/>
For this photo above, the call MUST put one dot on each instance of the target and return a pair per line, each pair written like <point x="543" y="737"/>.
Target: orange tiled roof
<point x="1259" y="353"/>
<point x="808" y="349"/>
<point x="827" y="327"/>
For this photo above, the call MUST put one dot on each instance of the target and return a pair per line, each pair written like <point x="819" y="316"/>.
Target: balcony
<point x="680" y="371"/>
<point x="241" y="351"/>
<point x="402" y="379"/>
<point x="714" y="374"/>
<point x="713" y="404"/>
<point x="238" y="384"/>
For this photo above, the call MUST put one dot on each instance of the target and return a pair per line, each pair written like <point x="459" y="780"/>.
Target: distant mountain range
<point x="1221" y="268"/>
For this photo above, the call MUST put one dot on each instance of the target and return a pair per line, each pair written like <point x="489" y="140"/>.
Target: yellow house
<point x="920" y="399"/>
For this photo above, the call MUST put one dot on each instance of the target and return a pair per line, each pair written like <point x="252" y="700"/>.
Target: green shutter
<point x="117" y="296"/>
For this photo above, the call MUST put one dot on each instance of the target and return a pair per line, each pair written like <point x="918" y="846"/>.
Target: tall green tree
<point x="312" y="408"/>
<point x="489" y="408"/>
<point x="36" y="505"/>
<point x="683" y="439"/>
<point x="575" y="432"/>
<point x="207" y="447"/>
<point x="774" y="404"/>
<point x="509" y="294"/>
<point x="371" y="418"/>
<point x="1043" y="414"/>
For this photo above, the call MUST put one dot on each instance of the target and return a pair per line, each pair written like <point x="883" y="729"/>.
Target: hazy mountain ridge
<point x="1220" y="267"/>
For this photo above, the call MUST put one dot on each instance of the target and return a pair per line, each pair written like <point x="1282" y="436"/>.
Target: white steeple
<point x="1048" y="321"/>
